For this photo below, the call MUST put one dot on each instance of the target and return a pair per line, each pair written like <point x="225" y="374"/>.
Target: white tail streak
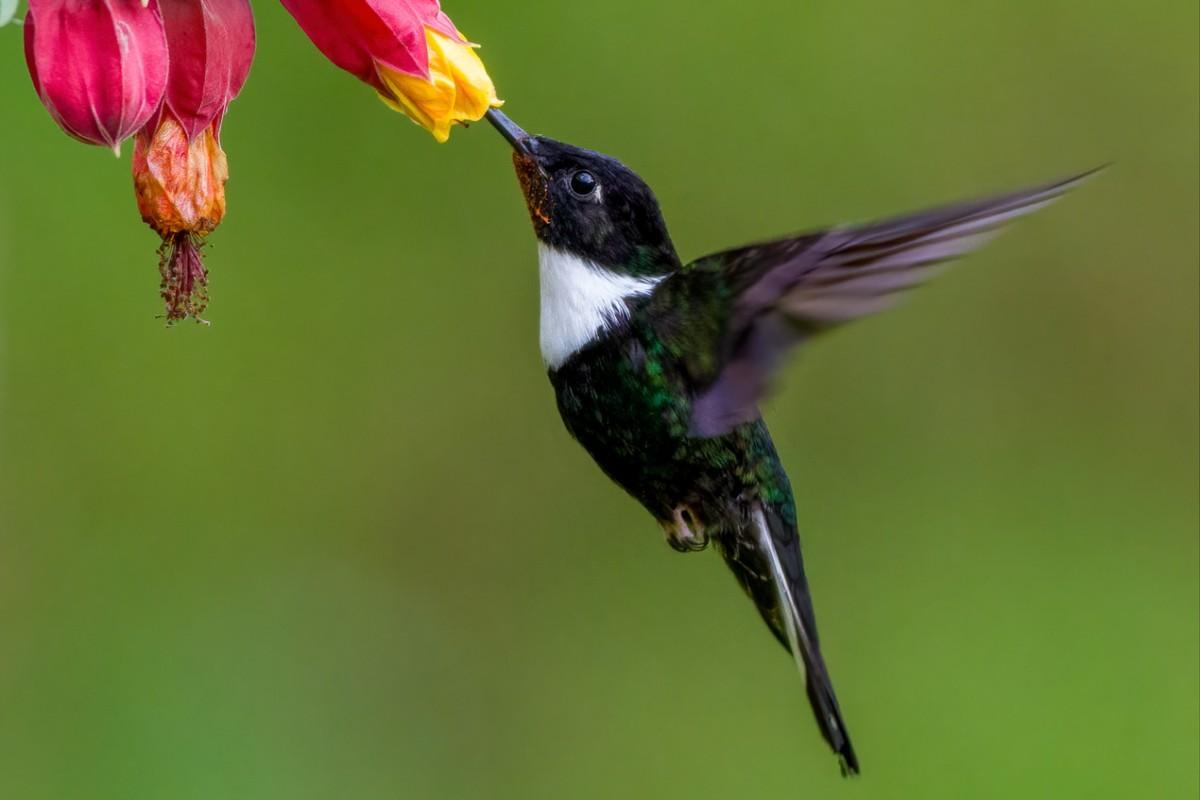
<point x="783" y="591"/>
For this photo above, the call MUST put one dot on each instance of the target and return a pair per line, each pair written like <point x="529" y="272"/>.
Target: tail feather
<point x="766" y="560"/>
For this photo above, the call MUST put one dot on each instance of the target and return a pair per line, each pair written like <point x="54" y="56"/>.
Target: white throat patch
<point x="580" y="300"/>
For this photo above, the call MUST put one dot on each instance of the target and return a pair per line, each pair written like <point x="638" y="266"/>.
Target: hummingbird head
<point x="589" y="205"/>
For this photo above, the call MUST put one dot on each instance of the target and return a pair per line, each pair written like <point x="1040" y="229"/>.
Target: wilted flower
<point x="409" y="51"/>
<point x="179" y="168"/>
<point x="99" y="66"/>
<point x="180" y="187"/>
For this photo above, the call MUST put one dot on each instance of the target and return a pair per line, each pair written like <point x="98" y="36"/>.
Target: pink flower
<point x="211" y="44"/>
<point x="357" y="35"/>
<point x="98" y="66"/>
<point x="409" y="51"/>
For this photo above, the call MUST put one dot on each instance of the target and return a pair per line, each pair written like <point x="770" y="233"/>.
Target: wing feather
<point x="733" y="315"/>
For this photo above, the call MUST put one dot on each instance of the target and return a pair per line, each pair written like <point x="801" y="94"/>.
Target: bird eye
<point x="583" y="183"/>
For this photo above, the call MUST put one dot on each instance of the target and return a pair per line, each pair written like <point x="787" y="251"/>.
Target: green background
<point x="339" y="545"/>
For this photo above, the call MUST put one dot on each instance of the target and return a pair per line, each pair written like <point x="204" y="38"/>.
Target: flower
<point x="179" y="168"/>
<point x="212" y="45"/>
<point x="179" y="181"/>
<point x="409" y="51"/>
<point x="98" y="66"/>
<point x="180" y="188"/>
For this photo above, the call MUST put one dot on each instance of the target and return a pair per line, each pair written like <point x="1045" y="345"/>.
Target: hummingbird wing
<point x="730" y="317"/>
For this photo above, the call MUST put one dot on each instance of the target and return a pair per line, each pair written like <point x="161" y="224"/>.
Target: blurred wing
<point x="732" y="316"/>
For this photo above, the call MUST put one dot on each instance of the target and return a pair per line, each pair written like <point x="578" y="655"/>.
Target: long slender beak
<point x="510" y="130"/>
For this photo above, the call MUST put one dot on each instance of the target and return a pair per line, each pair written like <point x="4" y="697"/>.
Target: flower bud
<point x="98" y="66"/>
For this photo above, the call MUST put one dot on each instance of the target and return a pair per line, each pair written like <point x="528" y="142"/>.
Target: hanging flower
<point x="409" y="51"/>
<point x="212" y="45"/>
<point x="179" y="168"/>
<point x="180" y="188"/>
<point x="98" y="66"/>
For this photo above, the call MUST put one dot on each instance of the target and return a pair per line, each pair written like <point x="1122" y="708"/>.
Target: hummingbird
<point x="659" y="367"/>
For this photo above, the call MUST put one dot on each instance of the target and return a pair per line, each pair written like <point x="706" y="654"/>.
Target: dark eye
<point x="583" y="183"/>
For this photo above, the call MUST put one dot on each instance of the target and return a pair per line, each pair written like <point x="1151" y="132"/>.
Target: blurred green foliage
<point x="338" y="544"/>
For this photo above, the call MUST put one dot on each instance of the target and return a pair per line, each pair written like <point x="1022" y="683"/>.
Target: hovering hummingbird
<point x="659" y="366"/>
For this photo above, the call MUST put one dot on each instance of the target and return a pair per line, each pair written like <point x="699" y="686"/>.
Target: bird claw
<point x="685" y="533"/>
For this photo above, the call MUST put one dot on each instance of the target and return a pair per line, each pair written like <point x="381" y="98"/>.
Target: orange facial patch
<point x="535" y="189"/>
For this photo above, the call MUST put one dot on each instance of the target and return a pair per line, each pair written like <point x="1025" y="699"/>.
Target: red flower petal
<point x="212" y="45"/>
<point x="358" y="34"/>
<point x="99" y="66"/>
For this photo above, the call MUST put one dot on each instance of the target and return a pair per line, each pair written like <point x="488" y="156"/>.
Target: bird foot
<point x="684" y="532"/>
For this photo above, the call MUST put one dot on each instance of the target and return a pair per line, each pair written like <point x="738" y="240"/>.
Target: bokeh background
<point x="338" y="544"/>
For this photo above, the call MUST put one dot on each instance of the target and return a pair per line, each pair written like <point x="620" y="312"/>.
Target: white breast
<point x="580" y="300"/>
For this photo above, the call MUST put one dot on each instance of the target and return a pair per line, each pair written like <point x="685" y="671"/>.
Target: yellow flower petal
<point x="458" y="88"/>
